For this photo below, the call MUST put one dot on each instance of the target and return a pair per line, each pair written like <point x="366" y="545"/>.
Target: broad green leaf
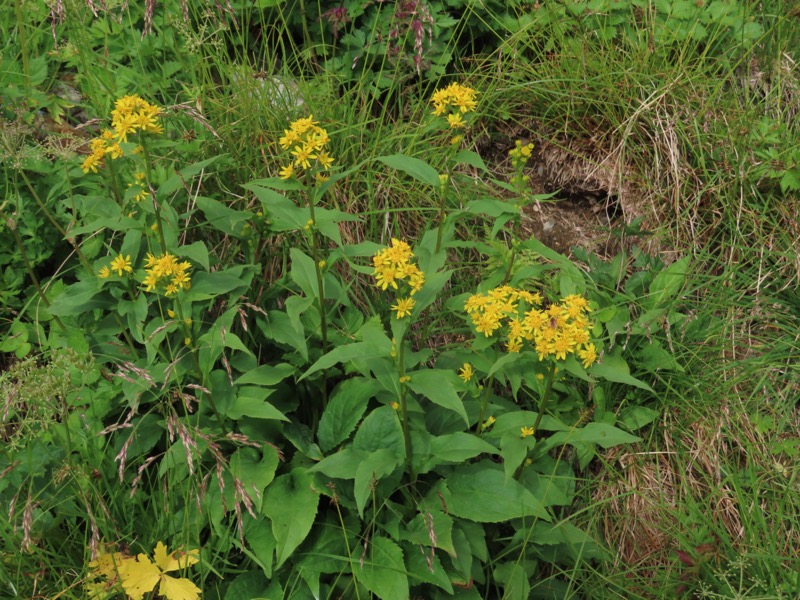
<point x="291" y="505"/>
<point x="342" y="465"/>
<point x="222" y="217"/>
<point x="604" y="435"/>
<point x="513" y="576"/>
<point x="348" y="352"/>
<point x="433" y="528"/>
<point x="251" y="402"/>
<point x="439" y="386"/>
<point x="614" y="368"/>
<point x="654" y="357"/>
<point x="460" y="446"/>
<point x="81" y="297"/>
<point x="256" y="468"/>
<point x="382" y="570"/>
<point x="176" y="181"/>
<point x="427" y="568"/>
<point x="258" y="534"/>
<point x="473" y="159"/>
<point x="278" y="326"/>
<point x="418" y="169"/>
<point x="377" y="465"/>
<point x="207" y="285"/>
<point x="197" y="252"/>
<point x="637" y="417"/>
<point x="381" y="429"/>
<point x="345" y="408"/>
<point x="267" y="375"/>
<point x="480" y="492"/>
<point x="667" y="283"/>
<point x="304" y="273"/>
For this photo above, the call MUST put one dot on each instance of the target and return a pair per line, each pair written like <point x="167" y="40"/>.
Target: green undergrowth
<point x="248" y="352"/>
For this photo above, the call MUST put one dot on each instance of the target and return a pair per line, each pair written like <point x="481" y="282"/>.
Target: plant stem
<point x="443" y="187"/>
<point x="401" y="370"/>
<point x="156" y="207"/>
<point x="548" y="388"/>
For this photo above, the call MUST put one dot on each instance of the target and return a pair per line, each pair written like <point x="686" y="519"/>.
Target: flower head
<point x="466" y="372"/>
<point x="307" y="143"/>
<point x="122" y="264"/>
<point x="404" y="307"/>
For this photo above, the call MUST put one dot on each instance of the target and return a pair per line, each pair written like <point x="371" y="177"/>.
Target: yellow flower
<point x="487" y="423"/>
<point x="466" y="372"/>
<point x="395" y="405"/>
<point x="455" y="120"/>
<point x="526" y="432"/>
<point x="122" y="265"/>
<point x="104" y="272"/>
<point x="404" y="307"/>
<point x="588" y="355"/>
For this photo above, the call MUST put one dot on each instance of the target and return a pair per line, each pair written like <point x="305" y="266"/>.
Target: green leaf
<point x="176" y="182"/>
<point x="267" y="375"/>
<point x="342" y="465"/>
<point x="79" y="298"/>
<point x="304" y="273"/>
<point x="473" y="159"/>
<point x="262" y="543"/>
<point x="345" y="408"/>
<point x="381" y="429"/>
<point x="222" y="217"/>
<point x="418" y="169"/>
<point x="427" y="568"/>
<point x="460" y="446"/>
<point x="604" y="435"/>
<point x="256" y="468"/>
<point x="382" y="570"/>
<point x="291" y="505"/>
<point x="349" y="352"/>
<point x="377" y="465"/>
<point x="432" y="528"/>
<point x="668" y="282"/>
<point x="514" y="578"/>
<point x="480" y="492"/>
<point x="614" y="368"/>
<point x="439" y="386"/>
<point x="197" y="252"/>
<point x="207" y="285"/>
<point x="637" y="417"/>
<point x="251" y="402"/>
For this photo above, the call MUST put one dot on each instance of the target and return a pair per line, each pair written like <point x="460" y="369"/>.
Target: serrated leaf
<point x="345" y="408"/>
<point x="438" y="386"/>
<point x="381" y="429"/>
<point x="377" y="465"/>
<point x="382" y="570"/>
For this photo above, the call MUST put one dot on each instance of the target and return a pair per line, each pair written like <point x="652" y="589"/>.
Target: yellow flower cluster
<point x="139" y="576"/>
<point x="459" y="98"/>
<point x="130" y="114"/>
<point x="520" y="154"/>
<point x="121" y="264"/>
<point x="308" y="142"/>
<point x="394" y="264"/>
<point x="165" y="270"/>
<point x="561" y="329"/>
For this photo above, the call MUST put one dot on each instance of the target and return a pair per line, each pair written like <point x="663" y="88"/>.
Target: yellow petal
<point x="178" y="589"/>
